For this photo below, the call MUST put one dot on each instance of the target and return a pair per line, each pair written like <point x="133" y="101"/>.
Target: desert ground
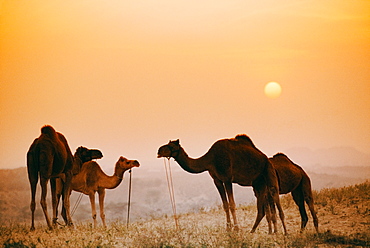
<point x="344" y="221"/>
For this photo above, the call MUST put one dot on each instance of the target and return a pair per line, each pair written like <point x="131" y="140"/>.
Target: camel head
<point x="170" y="150"/>
<point x="86" y="154"/>
<point x="125" y="164"/>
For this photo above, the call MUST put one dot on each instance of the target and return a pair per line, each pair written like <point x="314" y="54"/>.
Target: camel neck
<point x="112" y="182"/>
<point x="191" y="165"/>
<point x="77" y="164"/>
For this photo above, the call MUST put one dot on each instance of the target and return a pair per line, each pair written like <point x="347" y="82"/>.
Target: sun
<point x="272" y="90"/>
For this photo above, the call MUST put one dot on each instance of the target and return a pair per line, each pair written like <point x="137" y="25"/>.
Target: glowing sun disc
<point x="272" y="90"/>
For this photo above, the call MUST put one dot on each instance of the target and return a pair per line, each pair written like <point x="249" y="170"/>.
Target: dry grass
<point x="343" y="215"/>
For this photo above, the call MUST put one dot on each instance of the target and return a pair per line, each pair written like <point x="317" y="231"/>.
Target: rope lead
<point x="129" y="198"/>
<point x="171" y="190"/>
<point x="76" y="204"/>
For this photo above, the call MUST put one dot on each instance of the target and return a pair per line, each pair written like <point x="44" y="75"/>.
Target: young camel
<point x="231" y="161"/>
<point x="92" y="179"/>
<point x="50" y="158"/>
<point x="293" y="178"/>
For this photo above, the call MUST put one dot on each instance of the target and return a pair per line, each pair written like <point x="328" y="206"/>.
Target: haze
<point x="127" y="76"/>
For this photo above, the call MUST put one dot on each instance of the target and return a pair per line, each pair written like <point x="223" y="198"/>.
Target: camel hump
<point x="279" y="154"/>
<point x="282" y="155"/>
<point x="49" y="131"/>
<point x="245" y="138"/>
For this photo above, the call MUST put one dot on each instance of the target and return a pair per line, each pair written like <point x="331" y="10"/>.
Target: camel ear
<point x="177" y="142"/>
<point x="121" y="159"/>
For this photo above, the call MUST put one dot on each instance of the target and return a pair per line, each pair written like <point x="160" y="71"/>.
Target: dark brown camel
<point x="92" y="179"/>
<point x="231" y="161"/>
<point x="50" y="157"/>
<point x="82" y="155"/>
<point x="293" y="178"/>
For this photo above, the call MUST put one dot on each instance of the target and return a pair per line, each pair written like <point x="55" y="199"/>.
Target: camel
<point x="92" y="179"/>
<point x="228" y="161"/>
<point x="82" y="155"/>
<point x="49" y="157"/>
<point x="293" y="178"/>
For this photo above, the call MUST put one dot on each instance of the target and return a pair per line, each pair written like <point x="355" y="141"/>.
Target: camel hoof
<point x="228" y="227"/>
<point x="32" y="228"/>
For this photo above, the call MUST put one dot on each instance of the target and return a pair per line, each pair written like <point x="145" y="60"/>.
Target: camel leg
<point x="101" y="193"/>
<point x="299" y="201"/>
<point x="66" y="193"/>
<point x="272" y="211"/>
<point x="313" y="213"/>
<point x="33" y="184"/>
<point x="44" y="184"/>
<point x="54" y="200"/>
<point x="281" y="212"/>
<point x="260" y="192"/>
<point x="33" y="177"/>
<point x="64" y="211"/>
<point x="64" y="215"/>
<point x="221" y="189"/>
<point x="59" y="190"/>
<point x="232" y="205"/>
<point x="268" y="217"/>
<point x="93" y="209"/>
<point x="307" y="193"/>
<point x="273" y="187"/>
<point x="270" y="214"/>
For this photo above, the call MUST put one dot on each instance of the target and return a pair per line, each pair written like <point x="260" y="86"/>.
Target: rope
<point x="129" y="198"/>
<point x="171" y="190"/>
<point x="76" y="204"/>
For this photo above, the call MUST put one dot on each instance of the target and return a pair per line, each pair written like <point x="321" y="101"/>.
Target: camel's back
<point x="290" y="174"/>
<point x="282" y="162"/>
<point x="239" y="159"/>
<point x="91" y="171"/>
<point x="52" y="142"/>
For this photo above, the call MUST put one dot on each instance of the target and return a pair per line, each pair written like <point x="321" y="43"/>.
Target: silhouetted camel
<point x="292" y="178"/>
<point x="92" y="179"/>
<point x="231" y="161"/>
<point x="50" y="157"/>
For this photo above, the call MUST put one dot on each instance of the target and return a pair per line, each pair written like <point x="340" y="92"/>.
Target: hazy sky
<point x="127" y="76"/>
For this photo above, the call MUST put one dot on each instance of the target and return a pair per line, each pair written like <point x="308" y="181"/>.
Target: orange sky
<point x="127" y="76"/>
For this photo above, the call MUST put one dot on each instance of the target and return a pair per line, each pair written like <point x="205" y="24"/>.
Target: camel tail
<point x="49" y="131"/>
<point x="279" y="180"/>
<point x="33" y="166"/>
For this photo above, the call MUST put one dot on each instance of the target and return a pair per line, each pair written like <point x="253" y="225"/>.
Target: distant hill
<point x="331" y="157"/>
<point x="333" y="167"/>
